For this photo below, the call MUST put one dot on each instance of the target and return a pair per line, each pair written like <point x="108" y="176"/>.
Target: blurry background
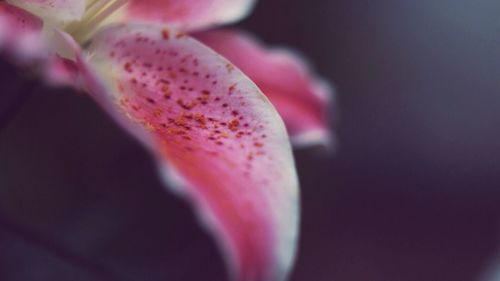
<point x="412" y="193"/>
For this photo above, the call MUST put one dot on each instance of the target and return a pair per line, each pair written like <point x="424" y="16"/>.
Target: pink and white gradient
<point x="217" y="139"/>
<point x="301" y="98"/>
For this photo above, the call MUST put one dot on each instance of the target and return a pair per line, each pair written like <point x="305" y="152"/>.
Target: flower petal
<point x="53" y="10"/>
<point x="301" y="99"/>
<point x="60" y="71"/>
<point x="21" y="37"/>
<point x="190" y="14"/>
<point x="19" y="31"/>
<point x="217" y="138"/>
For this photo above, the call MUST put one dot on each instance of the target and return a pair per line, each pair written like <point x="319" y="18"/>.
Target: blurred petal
<point x="301" y="98"/>
<point x="61" y="71"/>
<point x="217" y="138"/>
<point x="59" y="67"/>
<point x="19" y="31"/>
<point x="492" y="271"/>
<point x="21" y="37"/>
<point x="53" y="10"/>
<point x="190" y="14"/>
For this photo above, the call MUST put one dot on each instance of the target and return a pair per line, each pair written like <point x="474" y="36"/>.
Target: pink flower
<point x="217" y="139"/>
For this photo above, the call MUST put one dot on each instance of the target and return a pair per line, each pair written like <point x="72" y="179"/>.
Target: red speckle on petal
<point x="186" y="105"/>
<point x="258" y="144"/>
<point x="128" y="67"/>
<point x="165" y="34"/>
<point x="233" y="125"/>
<point x="232" y="88"/>
<point x="200" y="118"/>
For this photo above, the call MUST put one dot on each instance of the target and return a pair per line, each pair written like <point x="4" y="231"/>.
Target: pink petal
<point x="60" y="71"/>
<point x="53" y="10"/>
<point x="217" y="138"/>
<point x="61" y="68"/>
<point x="190" y="14"/>
<point x="301" y="99"/>
<point x="21" y="37"/>
<point x="19" y="31"/>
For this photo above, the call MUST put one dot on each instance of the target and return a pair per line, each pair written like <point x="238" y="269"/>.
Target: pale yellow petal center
<point x="97" y="13"/>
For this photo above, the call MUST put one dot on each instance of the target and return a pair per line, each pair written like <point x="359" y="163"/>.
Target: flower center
<point x="97" y="13"/>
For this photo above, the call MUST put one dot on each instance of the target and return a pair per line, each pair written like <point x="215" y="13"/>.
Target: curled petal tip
<point x="60" y="71"/>
<point x="302" y="99"/>
<point x="319" y="137"/>
<point x="190" y="14"/>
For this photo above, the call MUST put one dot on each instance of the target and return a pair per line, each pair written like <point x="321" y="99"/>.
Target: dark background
<point x="412" y="192"/>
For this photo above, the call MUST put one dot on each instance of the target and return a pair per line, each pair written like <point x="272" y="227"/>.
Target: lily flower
<point x="216" y="137"/>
